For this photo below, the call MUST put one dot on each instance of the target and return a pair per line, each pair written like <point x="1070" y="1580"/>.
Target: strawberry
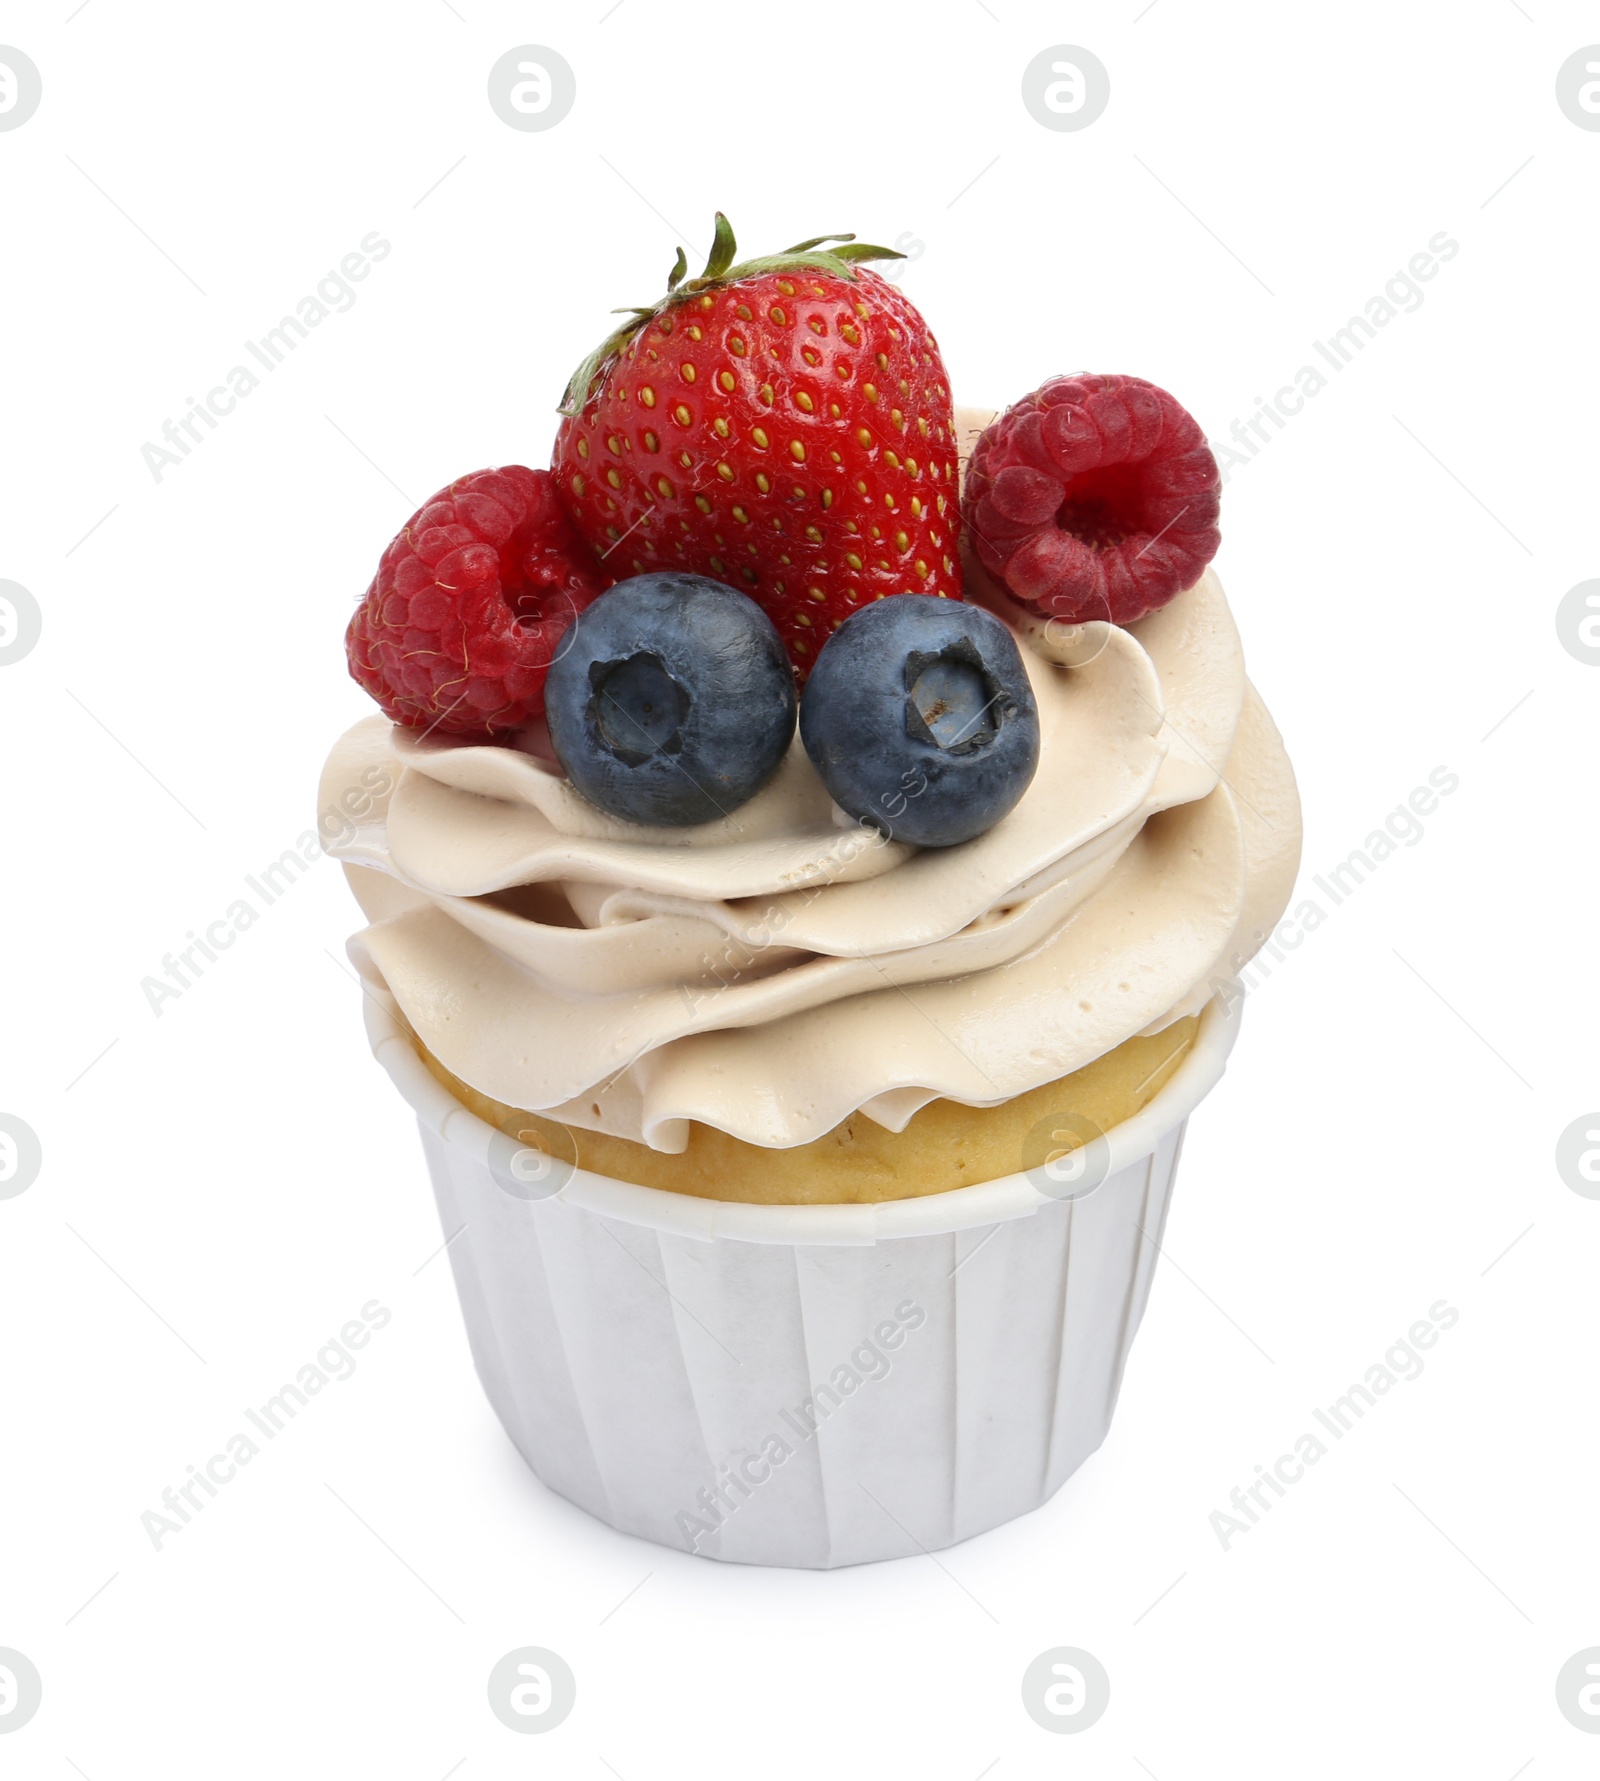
<point x="783" y="426"/>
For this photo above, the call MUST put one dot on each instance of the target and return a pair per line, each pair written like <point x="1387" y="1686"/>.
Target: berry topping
<point x="457" y="631"/>
<point x="671" y="701"/>
<point x="1095" y="497"/>
<point x="920" y="720"/>
<point x="783" y="425"/>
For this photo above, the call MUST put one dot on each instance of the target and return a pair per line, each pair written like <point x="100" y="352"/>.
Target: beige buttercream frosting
<point x="773" y="972"/>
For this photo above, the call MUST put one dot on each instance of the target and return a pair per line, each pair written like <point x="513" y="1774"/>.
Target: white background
<point x="234" y="1179"/>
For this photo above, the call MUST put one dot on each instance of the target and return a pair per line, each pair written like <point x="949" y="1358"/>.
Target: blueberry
<point x="920" y="720"/>
<point x="671" y="700"/>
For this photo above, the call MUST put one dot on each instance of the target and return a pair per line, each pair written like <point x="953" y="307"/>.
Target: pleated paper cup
<point x="803" y="1385"/>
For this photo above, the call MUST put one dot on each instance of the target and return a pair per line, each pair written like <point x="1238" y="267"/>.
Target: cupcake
<point x="807" y="852"/>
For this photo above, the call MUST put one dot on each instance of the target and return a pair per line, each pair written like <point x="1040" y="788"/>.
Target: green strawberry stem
<point x="719" y="269"/>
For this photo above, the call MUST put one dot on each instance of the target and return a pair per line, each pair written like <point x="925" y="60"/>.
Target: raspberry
<point x="458" y="628"/>
<point x="1095" y="497"/>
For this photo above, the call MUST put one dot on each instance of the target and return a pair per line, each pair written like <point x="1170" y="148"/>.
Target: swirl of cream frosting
<point x="774" y="972"/>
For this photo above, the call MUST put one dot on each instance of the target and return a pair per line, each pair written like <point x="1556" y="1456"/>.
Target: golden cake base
<point x="945" y="1145"/>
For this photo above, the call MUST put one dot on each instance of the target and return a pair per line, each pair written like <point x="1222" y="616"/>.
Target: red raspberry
<point x="1095" y="497"/>
<point x="458" y="628"/>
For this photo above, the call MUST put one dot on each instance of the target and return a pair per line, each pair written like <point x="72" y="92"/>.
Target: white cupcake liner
<point x="653" y="1355"/>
